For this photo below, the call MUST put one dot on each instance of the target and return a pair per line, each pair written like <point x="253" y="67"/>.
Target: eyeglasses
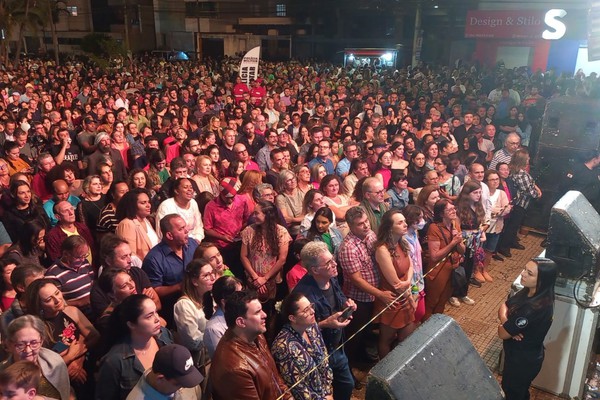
<point x="379" y="192"/>
<point x="207" y="276"/>
<point x="308" y="310"/>
<point x="241" y="151"/>
<point x="83" y="257"/>
<point x="329" y="264"/>
<point x="33" y="344"/>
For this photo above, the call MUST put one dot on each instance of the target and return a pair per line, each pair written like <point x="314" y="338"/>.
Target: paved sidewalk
<point x="480" y="321"/>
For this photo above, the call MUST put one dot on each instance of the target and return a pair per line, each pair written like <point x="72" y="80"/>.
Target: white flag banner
<point x="249" y="65"/>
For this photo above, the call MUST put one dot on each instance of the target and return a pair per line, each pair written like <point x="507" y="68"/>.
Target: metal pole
<point x="199" y="36"/>
<point x="126" y="22"/>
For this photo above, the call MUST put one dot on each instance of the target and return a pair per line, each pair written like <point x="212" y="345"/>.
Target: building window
<point x="201" y="9"/>
<point x="280" y="10"/>
<point x="72" y="10"/>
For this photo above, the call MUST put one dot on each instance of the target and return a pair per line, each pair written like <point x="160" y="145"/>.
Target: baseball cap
<point x="228" y="186"/>
<point x="16" y="93"/>
<point x="175" y="362"/>
<point x="89" y="120"/>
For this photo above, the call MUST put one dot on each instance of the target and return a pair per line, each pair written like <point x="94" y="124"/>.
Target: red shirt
<point x="38" y="185"/>
<point x="226" y="220"/>
<point x="257" y="95"/>
<point x="238" y="91"/>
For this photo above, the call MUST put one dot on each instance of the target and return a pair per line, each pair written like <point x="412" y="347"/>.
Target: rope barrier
<point x="397" y="299"/>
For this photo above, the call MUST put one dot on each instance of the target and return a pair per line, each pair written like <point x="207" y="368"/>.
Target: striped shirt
<point x="74" y="284"/>
<point x="501" y="156"/>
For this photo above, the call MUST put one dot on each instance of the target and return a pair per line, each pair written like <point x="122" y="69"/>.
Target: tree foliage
<point x="101" y="48"/>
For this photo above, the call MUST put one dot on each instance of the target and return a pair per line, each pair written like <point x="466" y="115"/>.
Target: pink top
<point x="386" y="173"/>
<point x="6" y="302"/>
<point x="252" y="166"/>
<point x="226" y="220"/>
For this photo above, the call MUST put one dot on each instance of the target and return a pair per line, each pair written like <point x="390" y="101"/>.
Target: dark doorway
<point x="213" y="48"/>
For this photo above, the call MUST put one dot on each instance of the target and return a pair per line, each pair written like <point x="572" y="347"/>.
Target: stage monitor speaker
<point x="574" y="237"/>
<point x="550" y="168"/>
<point x="570" y="128"/>
<point x="437" y="361"/>
<point x="571" y="123"/>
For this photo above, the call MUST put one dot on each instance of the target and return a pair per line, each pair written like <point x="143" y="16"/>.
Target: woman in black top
<point x="23" y="209"/>
<point x="525" y="320"/>
<point x="416" y="171"/>
<point x="88" y="210"/>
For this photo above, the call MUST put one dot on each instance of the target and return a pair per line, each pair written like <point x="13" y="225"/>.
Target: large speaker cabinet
<point x="437" y="361"/>
<point x="570" y="128"/>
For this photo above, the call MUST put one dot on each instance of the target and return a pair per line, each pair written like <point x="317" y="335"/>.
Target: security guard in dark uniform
<point x="584" y="178"/>
<point x="525" y="320"/>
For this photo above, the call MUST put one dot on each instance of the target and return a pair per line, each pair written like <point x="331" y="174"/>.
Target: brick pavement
<point x="480" y="322"/>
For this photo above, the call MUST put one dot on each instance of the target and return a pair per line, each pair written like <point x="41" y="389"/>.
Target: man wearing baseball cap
<point x="173" y="376"/>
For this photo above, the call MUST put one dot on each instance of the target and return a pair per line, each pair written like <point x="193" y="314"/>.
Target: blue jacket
<point x="309" y="288"/>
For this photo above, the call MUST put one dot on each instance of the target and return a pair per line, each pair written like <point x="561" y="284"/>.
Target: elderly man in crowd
<point x="320" y="286"/>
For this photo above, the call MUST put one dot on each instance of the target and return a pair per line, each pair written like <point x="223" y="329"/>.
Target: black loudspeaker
<point x="570" y="128"/>
<point x="437" y="361"/>
<point x="574" y="237"/>
<point x="571" y="123"/>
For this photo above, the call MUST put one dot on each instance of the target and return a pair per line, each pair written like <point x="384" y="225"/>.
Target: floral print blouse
<point x="295" y="357"/>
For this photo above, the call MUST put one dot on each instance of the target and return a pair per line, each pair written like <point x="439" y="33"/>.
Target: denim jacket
<point x="121" y="370"/>
<point x="309" y="287"/>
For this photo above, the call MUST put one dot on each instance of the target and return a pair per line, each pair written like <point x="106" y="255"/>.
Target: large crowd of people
<point x="160" y="219"/>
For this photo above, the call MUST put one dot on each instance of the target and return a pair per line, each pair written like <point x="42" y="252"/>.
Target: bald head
<point x="61" y="190"/>
<point x="477" y="171"/>
<point x="64" y="212"/>
<point x="369" y="184"/>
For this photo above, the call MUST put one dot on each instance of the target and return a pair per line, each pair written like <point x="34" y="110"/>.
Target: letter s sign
<point x="552" y="20"/>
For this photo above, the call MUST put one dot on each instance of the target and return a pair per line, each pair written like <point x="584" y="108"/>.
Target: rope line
<point x="397" y="299"/>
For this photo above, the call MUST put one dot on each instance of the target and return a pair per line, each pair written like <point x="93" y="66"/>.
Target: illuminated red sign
<point x="525" y="24"/>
